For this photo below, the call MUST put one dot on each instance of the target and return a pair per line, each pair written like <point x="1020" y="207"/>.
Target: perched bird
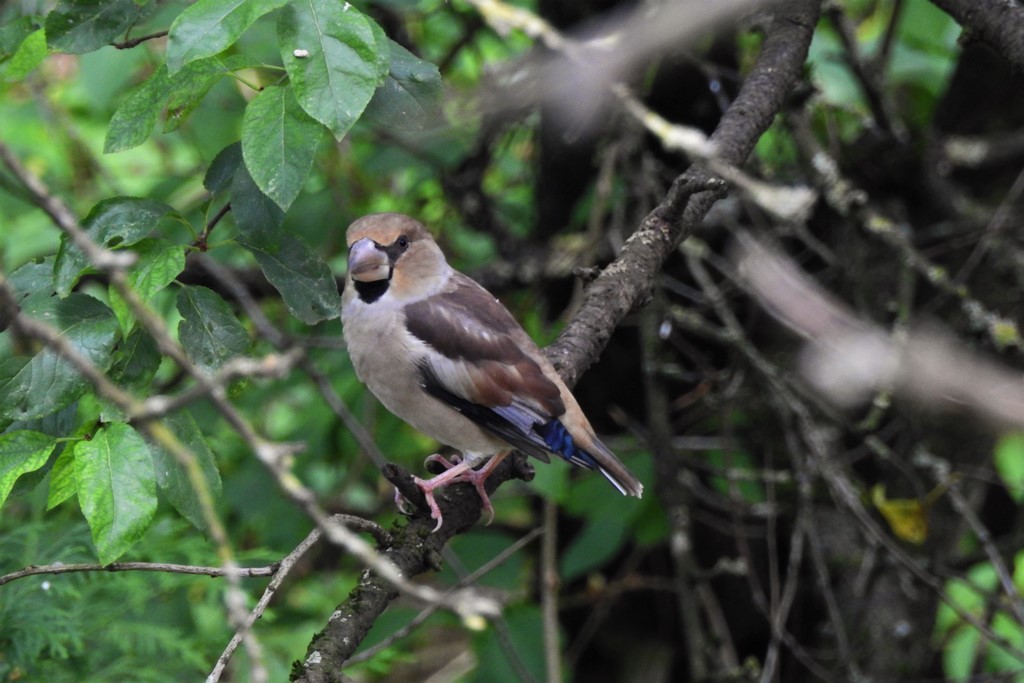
<point x="440" y="352"/>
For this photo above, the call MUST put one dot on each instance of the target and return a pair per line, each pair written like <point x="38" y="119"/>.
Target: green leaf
<point x="478" y="548"/>
<point x="552" y="483"/>
<point x="522" y="633"/>
<point x="211" y="26"/>
<point x="14" y="32"/>
<point x="20" y="452"/>
<point x="999" y="659"/>
<point x="222" y="169"/>
<point x="159" y="263"/>
<point x="335" y="57"/>
<point x="62" y="475"/>
<point x="829" y="74"/>
<point x="301" y="276"/>
<point x="279" y="141"/>
<point x="959" y="653"/>
<point x="135" y="118"/>
<point x="925" y="52"/>
<point x="209" y="330"/>
<point x="1018" y="570"/>
<point x="409" y="99"/>
<point x="970" y="596"/>
<point x="114" y="222"/>
<point x="254" y="211"/>
<point x="116" y="488"/>
<point x="62" y="479"/>
<point x="78" y="26"/>
<point x="57" y="425"/>
<point x="123" y="221"/>
<point x="599" y="541"/>
<point x="172" y="476"/>
<point x="591" y="496"/>
<point x="1009" y="461"/>
<point x="29" y="55"/>
<point x="33" y="281"/>
<point x="47" y="383"/>
<point x="190" y="85"/>
<point x="135" y="362"/>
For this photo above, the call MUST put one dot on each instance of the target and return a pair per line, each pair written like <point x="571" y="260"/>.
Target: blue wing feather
<point x="522" y="427"/>
<point x="559" y="441"/>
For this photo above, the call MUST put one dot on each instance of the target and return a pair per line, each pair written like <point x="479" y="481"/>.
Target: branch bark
<point x="1000" y="23"/>
<point x="416" y="548"/>
<point x="626" y="283"/>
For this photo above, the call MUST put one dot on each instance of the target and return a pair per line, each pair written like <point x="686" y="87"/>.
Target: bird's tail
<point x="592" y="455"/>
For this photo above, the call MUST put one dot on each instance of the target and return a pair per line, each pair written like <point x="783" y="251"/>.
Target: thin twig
<point x="787" y="204"/>
<point x="549" y="588"/>
<point x="61" y="568"/>
<point x="821" y="451"/>
<point x="467" y="580"/>
<point x="202" y="240"/>
<point x="133" y="42"/>
<point x="780" y="611"/>
<point x="284" y="567"/>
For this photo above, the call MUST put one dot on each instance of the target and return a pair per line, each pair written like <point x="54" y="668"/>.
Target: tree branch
<point x="76" y="568"/>
<point x="997" y="22"/>
<point x="417" y="548"/>
<point x="626" y="283"/>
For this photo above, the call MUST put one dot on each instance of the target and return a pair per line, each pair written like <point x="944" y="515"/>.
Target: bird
<point x="444" y="355"/>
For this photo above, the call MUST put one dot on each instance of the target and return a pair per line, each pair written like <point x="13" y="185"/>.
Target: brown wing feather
<point x="484" y="348"/>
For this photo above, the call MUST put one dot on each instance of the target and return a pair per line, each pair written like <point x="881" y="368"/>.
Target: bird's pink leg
<point x="401" y="503"/>
<point x="442" y="461"/>
<point x="478" y="477"/>
<point x="460" y="472"/>
<point x="428" y="486"/>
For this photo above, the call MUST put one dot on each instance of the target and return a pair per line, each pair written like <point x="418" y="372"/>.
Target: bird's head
<point x="391" y="252"/>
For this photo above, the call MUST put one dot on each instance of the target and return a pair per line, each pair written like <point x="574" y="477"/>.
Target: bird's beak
<point x="367" y="263"/>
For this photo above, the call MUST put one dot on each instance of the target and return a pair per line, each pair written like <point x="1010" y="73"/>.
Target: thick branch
<point x="626" y="283"/>
<point x="417" y="548"/>
<point x="999" y="23"/>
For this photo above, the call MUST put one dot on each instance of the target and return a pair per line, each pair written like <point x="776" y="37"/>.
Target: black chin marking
<point x="371" y="291"/>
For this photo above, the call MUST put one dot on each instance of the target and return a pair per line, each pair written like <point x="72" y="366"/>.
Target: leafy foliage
<point x="98" y="627"/>
<point x="964" y="650"/>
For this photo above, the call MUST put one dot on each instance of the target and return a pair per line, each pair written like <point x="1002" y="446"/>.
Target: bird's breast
<point x="386" y="359"/>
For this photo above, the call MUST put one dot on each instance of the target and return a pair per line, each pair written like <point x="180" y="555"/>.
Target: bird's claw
<point x="438" y="464"/>
<point x="428" y="494"/>
<point x="403" y="505"/>
<point x="477" y="480"/>
<point x="456" y="471"/>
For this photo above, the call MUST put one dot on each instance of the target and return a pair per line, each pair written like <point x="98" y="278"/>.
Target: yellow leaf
<point x="907" y="517"/>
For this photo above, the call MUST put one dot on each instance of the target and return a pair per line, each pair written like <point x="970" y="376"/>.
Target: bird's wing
<point x="479" y="362"/>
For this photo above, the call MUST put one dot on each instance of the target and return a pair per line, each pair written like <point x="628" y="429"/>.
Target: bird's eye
<point x="402" y="242"/>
